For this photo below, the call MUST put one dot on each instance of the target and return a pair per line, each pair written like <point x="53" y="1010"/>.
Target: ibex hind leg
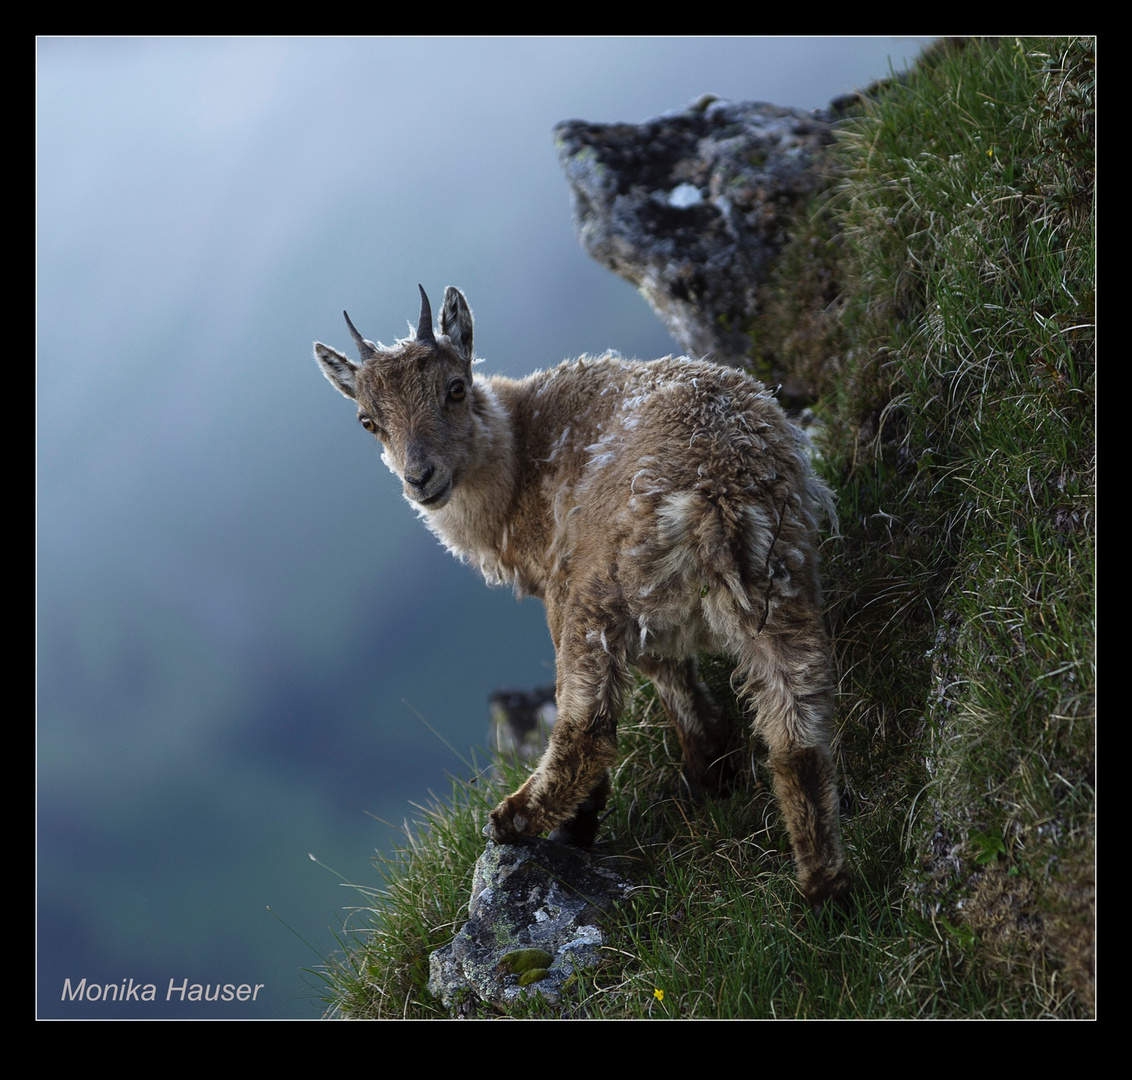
<point x="792" y="695"/>
<point x="805" y="783"/>
<point x="703" y="731"/>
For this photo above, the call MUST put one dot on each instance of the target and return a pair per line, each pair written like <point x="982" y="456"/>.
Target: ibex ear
<point x="340" y="370"/>
<point x="456" y="322"/>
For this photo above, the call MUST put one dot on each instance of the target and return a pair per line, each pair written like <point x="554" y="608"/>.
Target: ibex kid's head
<point x="417" y="397"/>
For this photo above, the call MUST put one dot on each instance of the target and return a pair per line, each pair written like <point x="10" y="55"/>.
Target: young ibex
<point x="657" y="509"/>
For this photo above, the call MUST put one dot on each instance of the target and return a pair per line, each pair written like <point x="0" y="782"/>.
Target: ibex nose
<point x="420" y="481"/>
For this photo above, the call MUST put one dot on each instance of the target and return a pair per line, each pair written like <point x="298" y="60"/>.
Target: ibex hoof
<point x="507" y="826"/>
<point x="820" y="888"/>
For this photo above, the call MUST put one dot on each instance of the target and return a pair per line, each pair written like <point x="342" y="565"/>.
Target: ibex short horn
<point x="424" y="323"/>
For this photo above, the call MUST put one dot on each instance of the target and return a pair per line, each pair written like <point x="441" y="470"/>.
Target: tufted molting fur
<point x="658" y="509"/>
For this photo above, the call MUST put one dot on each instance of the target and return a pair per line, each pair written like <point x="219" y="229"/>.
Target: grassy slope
<point x="957" y="364"/>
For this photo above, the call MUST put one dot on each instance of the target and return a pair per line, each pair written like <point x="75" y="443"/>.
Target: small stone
<point x="535" y="918"/>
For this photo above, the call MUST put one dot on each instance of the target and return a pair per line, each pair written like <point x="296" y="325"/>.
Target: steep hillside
<point x="939" y="300"/>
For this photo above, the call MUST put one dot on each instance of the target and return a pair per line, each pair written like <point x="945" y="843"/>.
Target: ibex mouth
<point x="437" y="499"/>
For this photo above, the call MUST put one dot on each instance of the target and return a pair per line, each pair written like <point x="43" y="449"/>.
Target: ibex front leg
<point x="568" y="790"/>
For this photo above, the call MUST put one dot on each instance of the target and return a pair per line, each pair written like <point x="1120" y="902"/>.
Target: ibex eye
<point x="368" y="424"/>
<point x="457" y="390"/>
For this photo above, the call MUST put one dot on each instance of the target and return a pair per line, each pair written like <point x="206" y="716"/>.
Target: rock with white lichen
<point x="535" y="921"/>
<point x="693" y="207"/>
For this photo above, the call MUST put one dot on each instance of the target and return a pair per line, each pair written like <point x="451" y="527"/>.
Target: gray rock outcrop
<point x="694" y="206"/>
<point x="534" y="919"/>
<point x="521" y="721"/>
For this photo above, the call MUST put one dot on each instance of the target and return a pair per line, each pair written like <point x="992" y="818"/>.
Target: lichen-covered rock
<point x="534" y="919"/>
<point x="693" y="207"/>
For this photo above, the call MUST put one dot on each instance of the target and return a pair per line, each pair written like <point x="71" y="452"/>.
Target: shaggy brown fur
<point x="658" y="509"/>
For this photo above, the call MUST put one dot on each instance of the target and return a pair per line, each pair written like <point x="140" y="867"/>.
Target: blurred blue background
<point x="238" y="617"/>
